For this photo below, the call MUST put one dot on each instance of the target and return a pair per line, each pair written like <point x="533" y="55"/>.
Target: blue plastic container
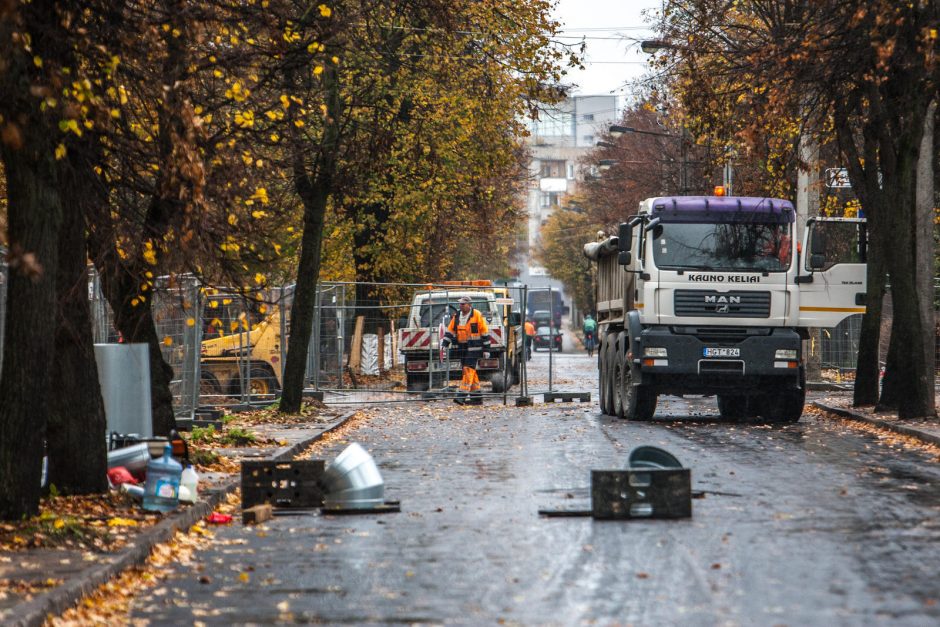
<point x="162" y="489"/>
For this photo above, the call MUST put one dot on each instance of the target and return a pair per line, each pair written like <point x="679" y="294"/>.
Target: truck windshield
<point x="738" y="247"/>
<point x="433" y="312"/>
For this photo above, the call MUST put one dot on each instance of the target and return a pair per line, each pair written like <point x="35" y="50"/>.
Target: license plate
<point x="722" y="352"/>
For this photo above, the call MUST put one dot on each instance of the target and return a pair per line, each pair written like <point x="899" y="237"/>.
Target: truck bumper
<point x="748" y="360"/>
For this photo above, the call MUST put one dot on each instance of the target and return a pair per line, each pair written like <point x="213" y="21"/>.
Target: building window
<point x="589" y="139"/>
<point x="588" y="117"/>
<point x="552" y="169"/>
<point x="571" y="171"/>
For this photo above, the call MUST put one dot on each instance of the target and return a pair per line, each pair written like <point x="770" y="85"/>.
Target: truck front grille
<point x="714" y="304"/>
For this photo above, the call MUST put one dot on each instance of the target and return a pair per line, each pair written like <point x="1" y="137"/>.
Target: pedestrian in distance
<point x="590" y="332"/>
<point x="529" y="336"/>
<point x="468" y="332"/>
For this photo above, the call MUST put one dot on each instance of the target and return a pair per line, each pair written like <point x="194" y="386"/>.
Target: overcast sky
<point x="611" y="29"/>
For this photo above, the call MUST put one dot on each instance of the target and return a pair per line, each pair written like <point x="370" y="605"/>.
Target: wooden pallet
<point x="567" y="397"/>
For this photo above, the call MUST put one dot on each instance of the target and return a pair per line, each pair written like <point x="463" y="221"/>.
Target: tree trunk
<point x="77" y="425"/>
<point x="315" y="194"/>
<point x="867" y="368"/>
<point x="34" y="214"/>
<point x="912" y="377"/>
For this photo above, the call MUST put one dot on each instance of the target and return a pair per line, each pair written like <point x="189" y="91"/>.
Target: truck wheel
<point x="639" y="403"/>
<point x="417" y="382"/>
<point x="602" y="376"/>
<point x="610" y="353"/>
<point x="263" y="384"/>
<point x="784" y="407"/>
<point x="209" y="384"/>
<point x="733" y="406"/>
<point x="500" y="380"/>
<point x="616" y="400"/>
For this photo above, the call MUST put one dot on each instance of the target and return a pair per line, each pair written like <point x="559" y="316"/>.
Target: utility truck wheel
<point x="500" y="380"/>
<point x="639" y="402"/>
<point x="417" y="382"/>
<point x="733" y="406"/>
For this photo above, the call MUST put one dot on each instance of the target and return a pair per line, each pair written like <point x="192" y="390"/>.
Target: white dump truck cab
<point x="717" y="300"/>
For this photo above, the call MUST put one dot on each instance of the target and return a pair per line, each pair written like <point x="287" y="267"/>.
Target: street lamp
<point x="606" y="164"/>
<point x="617" y="131"/>
<point x="649" y="46"/>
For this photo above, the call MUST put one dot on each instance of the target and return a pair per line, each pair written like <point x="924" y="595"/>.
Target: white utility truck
<point x="420" y="338"/>
<point x="712" y="295"/>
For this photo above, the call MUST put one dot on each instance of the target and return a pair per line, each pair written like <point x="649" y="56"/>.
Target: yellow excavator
<point x="241" y="350"/>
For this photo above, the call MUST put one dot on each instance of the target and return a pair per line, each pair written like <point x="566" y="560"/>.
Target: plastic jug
<point x="161" y="492"/>
<point x="190" y="481"/>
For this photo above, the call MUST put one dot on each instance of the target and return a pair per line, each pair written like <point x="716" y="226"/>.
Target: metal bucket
<point x="353" y="481"/>
<point x="652" y="457"/>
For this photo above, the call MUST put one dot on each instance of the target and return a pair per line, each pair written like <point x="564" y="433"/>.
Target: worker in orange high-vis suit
<point x="468" y="331"/>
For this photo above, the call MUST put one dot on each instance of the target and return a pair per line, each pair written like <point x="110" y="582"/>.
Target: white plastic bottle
<point x="190" y="480"/>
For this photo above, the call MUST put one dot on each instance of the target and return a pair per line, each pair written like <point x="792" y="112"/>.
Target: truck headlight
<point x="785" y="353"/>
<point x="655" y="351"/>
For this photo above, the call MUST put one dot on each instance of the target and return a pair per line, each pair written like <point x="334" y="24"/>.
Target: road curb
<point x="878" y="422"/>
<point x="34" y="613"/>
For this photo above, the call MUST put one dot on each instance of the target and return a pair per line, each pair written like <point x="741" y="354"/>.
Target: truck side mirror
<point x="403" y="322"/>
<point x="624" y="236"/>
<point x="817" y="243"/>
<point x="624" y="258"/>
<point x="515" y="318"/>
<point x="817" y="261"/>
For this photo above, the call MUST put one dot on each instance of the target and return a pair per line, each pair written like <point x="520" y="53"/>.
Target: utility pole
<point x="807" y="204"/>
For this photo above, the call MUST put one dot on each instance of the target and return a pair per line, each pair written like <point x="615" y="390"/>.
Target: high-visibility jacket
<point x="474" y="336"/>
<point x="529" y="328"/>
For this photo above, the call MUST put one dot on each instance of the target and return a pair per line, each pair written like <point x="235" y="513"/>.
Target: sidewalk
<point x="927" y="431"/>
<point x="38" y="582"/>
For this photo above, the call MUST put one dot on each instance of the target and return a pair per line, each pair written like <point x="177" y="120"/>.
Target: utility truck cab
<point x="709" y="295"/>
<point x="420" y="339"/>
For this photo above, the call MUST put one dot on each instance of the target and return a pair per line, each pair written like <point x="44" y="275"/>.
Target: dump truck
<point x="419" y="338"/>
<point x="712" y="296"/>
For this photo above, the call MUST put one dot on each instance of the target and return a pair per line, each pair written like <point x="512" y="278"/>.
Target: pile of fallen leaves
<point x="102" y="522"/>
<point x="110" y="603"/>
<point x="312" y="411"/>
<point x="837" y="375"/>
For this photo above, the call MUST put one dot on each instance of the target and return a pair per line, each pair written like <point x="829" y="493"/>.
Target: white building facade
<point x="557" y="140"/>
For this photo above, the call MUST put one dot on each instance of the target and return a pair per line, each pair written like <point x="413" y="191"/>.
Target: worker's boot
<point x="475" y="399"/>
<point x="461" y="399"/>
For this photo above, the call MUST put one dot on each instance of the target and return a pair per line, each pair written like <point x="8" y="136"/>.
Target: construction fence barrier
<point x="226" y="349"/>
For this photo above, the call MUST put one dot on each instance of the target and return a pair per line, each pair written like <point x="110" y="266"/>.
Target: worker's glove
<point x="445" y="343"/>
<point x="486" y="355"/>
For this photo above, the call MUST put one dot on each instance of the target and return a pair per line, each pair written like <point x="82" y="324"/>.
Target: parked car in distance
<point x="542" y="318"/>
<point x="544" y="336"/>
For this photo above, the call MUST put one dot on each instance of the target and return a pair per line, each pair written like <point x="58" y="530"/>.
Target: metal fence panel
<point x="382" y="342"/>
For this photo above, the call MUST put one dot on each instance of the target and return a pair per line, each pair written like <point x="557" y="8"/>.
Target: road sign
<point x="838" y="178"/>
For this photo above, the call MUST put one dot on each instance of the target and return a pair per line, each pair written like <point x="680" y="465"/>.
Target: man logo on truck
<point x="734" y="300"/>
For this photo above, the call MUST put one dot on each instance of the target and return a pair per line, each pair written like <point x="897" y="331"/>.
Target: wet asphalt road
<point x="807" y="524"/>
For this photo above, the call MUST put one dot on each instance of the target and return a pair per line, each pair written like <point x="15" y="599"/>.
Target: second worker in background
<point x="468" y="331"/>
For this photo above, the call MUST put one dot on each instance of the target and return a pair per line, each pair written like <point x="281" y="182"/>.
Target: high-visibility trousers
<point x="470" y="382"/>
